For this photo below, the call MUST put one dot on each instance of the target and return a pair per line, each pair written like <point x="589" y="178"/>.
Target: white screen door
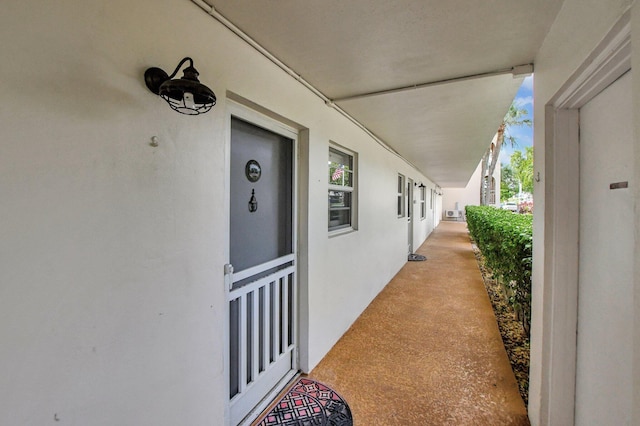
<point x="261" y="275"/>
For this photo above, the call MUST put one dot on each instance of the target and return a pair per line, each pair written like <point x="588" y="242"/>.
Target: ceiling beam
<point x="517" y="71"/>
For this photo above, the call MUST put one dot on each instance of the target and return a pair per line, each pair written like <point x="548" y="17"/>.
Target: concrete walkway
<point x="427" y="350"/>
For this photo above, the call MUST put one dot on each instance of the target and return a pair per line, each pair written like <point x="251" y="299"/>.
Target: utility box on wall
<point x="452" y="214"/>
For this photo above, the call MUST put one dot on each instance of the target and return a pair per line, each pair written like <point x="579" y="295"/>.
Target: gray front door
<point x="261" y="275"/>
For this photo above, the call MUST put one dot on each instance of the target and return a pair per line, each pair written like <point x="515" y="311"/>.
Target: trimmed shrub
<point x="505" y="240"/>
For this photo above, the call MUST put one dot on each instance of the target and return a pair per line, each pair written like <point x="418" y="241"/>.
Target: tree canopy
<point x="522" y="166"/>
<point x="519" y="171"/>
<point x="514" y="117"/>
<point x="508" y="183"/>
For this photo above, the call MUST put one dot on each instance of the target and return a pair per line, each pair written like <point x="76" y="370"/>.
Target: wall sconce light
<point x="422" y="185"/>
<point x="185" y="95"/>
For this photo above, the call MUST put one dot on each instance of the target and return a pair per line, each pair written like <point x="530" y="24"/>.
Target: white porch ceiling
<point x="350" y="48"/>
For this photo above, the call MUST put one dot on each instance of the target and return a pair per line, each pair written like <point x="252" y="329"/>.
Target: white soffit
<point x="443" y="130"/>
<point x="346" y="48"/>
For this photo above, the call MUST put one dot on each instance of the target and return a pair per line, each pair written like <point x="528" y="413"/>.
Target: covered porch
<point x="117" y="244"/>
<point x="427" y="350"/>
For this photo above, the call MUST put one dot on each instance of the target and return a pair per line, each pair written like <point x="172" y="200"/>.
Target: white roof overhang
<point x="432" y="79"/>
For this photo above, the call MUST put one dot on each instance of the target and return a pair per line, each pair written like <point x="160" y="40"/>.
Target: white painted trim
<point x="264" y="119"/>
<point x="353" y="189"/>
<point x="561" y="267"/>
<point x="410" y="213"/>
<point x="608" y="61"/>
<point x="246" y="110"/>
<point x="239" y="276"/>
<point x="302" y="167"/>
<point x="606" y="64"/>
<point x="402" y="195"/>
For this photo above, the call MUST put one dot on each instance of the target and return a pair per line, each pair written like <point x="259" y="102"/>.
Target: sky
<point x="522" y="134"/>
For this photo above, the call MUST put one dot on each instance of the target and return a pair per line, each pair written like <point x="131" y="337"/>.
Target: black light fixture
<point x="185" y="95"/>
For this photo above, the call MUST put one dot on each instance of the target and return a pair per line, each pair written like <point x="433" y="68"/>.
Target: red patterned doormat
<point x="308" y="403"/>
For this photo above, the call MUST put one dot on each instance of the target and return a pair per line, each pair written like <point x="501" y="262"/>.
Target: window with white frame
<point x="342" y="195"/>
<point x="423" y="202"/>
<point x="401" y="209"/>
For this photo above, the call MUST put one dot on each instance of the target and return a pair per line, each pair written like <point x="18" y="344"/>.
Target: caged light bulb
<point x="188" y="100"/>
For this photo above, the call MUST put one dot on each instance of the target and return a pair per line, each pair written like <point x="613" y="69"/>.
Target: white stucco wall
<point x="112" y="295"/>
<point x="578" y="29"/>
<point x="467" y="196"/>
<point x="470" y="194"/>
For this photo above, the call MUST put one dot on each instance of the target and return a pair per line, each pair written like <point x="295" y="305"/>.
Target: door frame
<point x="608" y="61"/>
<point x="409" y="201"/>
<point x="245" y="110"/>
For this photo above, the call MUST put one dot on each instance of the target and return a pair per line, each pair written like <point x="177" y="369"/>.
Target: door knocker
<point x="253" y="202"/>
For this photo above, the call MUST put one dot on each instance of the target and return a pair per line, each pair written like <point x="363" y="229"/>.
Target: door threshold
<point x="271" y="398"/>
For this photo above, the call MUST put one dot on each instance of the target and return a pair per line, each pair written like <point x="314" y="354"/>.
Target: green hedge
<point x="505" y="240"/>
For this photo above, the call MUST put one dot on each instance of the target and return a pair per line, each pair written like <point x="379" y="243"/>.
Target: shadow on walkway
<point x="427" y="350"/>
